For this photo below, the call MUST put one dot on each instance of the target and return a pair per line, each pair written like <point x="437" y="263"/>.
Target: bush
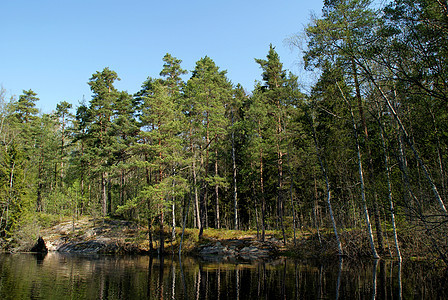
<point x="46" y="220"/>
<point x="24" y="234"/>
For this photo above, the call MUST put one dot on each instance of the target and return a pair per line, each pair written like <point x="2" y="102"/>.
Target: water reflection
<point x="57" y="276"/>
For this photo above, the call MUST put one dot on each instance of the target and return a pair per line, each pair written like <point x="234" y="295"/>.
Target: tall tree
<point x="160" y="143"/>
<point x="104" y="96"/>
<point x="64" y="116"/>
<point x="345" y="27"/>
<point x="207" y="93"/>
<point x="161" y="119"/>
<point x="80" y="162"/>
<point x="172" y="72"/>
<point x="257" y="147"/>
<point x="25" y="107"/>
<point x="235" y="130"/>
<point x="124" y="129"/>
<point x="278" y="89"/>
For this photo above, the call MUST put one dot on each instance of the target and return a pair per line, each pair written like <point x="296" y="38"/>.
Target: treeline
<point x="366" y="148"/>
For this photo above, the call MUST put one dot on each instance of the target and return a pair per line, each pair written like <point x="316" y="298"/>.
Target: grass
<point x="223" y="234"/>
<point x="354" y="240"/>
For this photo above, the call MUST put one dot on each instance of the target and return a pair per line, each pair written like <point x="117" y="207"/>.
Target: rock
<point x="40" y="247"/>
<point x="108" y="237"/>
<point x="54" y="245"/>
<point x="102" y="245"/>
<point x="248" y="249"/>
<point x="237" y="249"/>
<point x="89" y="233"/>
<point x="209" y="250"/>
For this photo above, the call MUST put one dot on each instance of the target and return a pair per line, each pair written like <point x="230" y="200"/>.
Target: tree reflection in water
<point x="57" y="276"/>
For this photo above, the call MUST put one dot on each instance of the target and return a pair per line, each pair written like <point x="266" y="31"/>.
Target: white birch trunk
<point x="361" y="179"/>
<point x="327" y="186"/>
<point x="389" y="188"/>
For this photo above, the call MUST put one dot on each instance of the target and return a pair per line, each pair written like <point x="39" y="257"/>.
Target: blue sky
<point x="53" y="47"/>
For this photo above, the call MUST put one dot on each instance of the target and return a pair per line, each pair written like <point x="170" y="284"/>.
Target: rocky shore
<point x="123" y="237"/>
<point x="238" y="249"/>
<point x="101" y="237"/>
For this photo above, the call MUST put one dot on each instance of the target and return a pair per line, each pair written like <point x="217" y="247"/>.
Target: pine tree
<point x="160" y="144"/>
<point x="278" y="93"/>
<point x="80" y="161"/>
<point x="25" y="107"/>
<point x="101" y="111"/>
<point x="207" y="93"/>
<point x="64" y="117"/>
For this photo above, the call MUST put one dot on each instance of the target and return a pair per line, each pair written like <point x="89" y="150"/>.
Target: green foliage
<point x="46" y="220"/>
<point x="24" y="233"/>
<point x="59" y="202"/>
<point x="25" y="107"/>
<point x="215" y="155"/>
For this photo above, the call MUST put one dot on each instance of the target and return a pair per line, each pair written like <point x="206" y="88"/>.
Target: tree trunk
<point x="161" y="233"/>
<point x="173" y="232"/>
<point x="316" y="221"/>
<point x="109" y="196"/>
<point x="217" y="220"/>
<point x="103" y="194"/>
<point x="291" y="188"/>
<point x="256" y="210"/>
<point x="196" y="197"/>
<point x="280" y="203"/>
<point x="363" y="194"/>
<point x="203" y="196"/>
<point x="328" y="190"/>
<point x="173" y="212"/>
<point x="414" y="150"/>
<point x="376" y="213"/>
<point x="408" y="141"/>
<point x="235" y="191"/>
<point x="39" y="183"/>
<point x="263" y="200"/>
<point x="439" y="155"/>
<point x="82" y="182"/>
<point x="10" y="196"/>
<point x="151" y="248"/>
<point x="122" y="187"/>
<point x="389" y="194"/>
<point x="361" y="179"/>
<point x="203" y="209"/>
<point x="62" y="150"/>
<point x="280" y="196"/>
<point x="184" y="223"/>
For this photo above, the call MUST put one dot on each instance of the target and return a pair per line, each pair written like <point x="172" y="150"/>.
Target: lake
<point x="63" y="276"/>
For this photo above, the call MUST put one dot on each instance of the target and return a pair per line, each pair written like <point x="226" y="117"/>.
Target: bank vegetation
<point x="359" y="159"/>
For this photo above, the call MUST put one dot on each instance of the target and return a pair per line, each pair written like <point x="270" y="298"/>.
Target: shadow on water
<point x="57" y="276"/>
<point x="39" y="257"/>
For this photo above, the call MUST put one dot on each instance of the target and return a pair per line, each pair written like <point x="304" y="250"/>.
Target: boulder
<point x="234" y="249"/>
<point x="40" y="247"/>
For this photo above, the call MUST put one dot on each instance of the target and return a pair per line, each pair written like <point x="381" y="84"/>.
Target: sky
<point x="53" y="47"/>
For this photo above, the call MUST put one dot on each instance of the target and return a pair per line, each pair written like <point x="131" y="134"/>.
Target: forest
<point x="365" y="150"/>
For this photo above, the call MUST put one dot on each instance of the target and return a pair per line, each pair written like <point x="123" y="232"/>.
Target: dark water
<point x="58" y="276"/>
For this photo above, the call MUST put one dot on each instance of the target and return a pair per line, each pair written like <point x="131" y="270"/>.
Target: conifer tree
<point x="278" y="93"/>
<point x="207" y="93"/>
<point x="25" y="107"/>
<point x="257" y="148"/>
<point x="64" y="117"/>
<point x="101" y="110"/>
<point x="160" y="144"/>
<point x="335" y="40"/>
